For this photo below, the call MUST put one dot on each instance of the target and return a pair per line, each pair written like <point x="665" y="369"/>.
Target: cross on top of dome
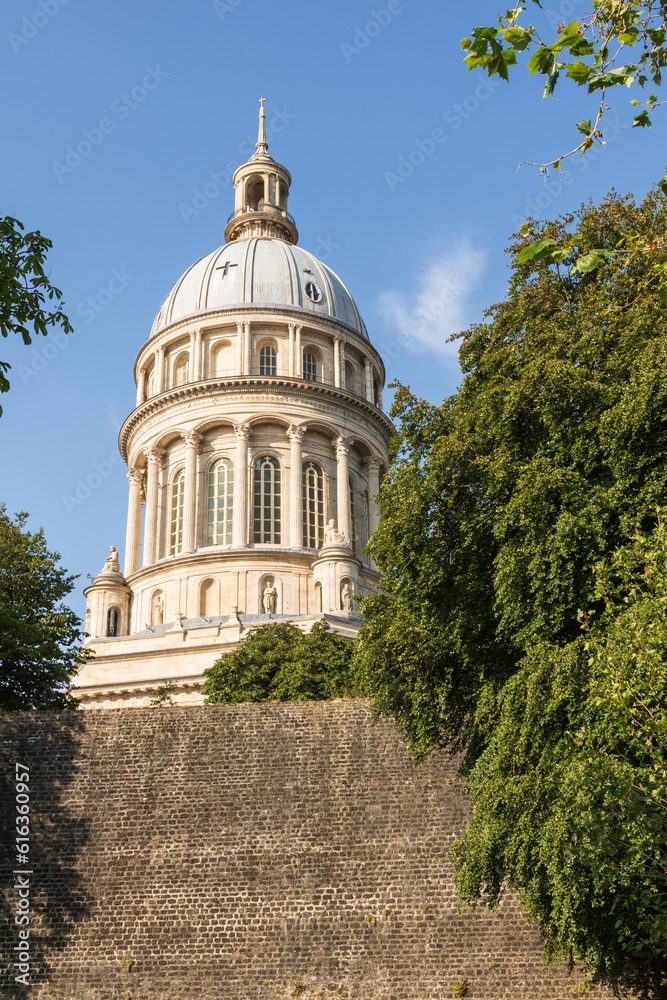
<point x="261" y="189"/>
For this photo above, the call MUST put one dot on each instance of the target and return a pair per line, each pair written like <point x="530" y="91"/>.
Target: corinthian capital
<point x="192" y="439"/>
<point x="242" y="431"/>
<point x="295" y="434"/>
<point x="342" y="446"/>
<point x="136" y="477"/>
<point x="155" y="454"/>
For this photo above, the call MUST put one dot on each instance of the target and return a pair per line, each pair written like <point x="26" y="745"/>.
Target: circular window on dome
<point x="313" y="291"/>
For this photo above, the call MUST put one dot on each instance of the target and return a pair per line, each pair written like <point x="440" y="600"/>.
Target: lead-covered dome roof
<point x="261" y="272"/>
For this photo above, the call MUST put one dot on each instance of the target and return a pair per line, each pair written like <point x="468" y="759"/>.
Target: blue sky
<point x="405" y="182"/>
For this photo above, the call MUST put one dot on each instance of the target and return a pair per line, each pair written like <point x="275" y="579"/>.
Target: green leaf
<point x="589" y="261"/>
<point x="518" y="37"/>
<point x="537" y="250"/>
<point x="662" y="293"/>
<point x="585" y="126"/>
<point x="642" y="120"/>
<point x="580" y="72"/>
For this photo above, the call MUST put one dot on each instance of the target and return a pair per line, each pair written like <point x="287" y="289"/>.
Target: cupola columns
<point x="261" y="188"/>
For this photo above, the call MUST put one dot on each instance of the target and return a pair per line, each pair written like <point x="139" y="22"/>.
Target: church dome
<point x="263" y="272"/>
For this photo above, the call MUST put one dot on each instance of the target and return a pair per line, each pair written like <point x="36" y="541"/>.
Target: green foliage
<point x="591" y="50"/>
<point x="461" y="987"/>
<point x="278" y="662"/>
<point x="25" y="287"/>
<point x="40" y="638"/>
<point x="570" y="792"/>
<point x="496" y="512"/>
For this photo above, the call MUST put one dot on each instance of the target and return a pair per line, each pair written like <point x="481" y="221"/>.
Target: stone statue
<point x="332" y="536"/>
<point x="111" y="564"/>
<point x="157" y="618"/>
<point x="269" y="598"/>
<point x="346" y="599"/>
<point x="87" y="625"/>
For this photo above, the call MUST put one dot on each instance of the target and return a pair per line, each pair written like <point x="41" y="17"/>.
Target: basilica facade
<point x="255" y="454"/>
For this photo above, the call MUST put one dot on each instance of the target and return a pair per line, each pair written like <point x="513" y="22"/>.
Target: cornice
<point x="248" y="385"/>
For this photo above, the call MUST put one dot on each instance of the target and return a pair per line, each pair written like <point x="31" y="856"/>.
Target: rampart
<point x="249" y="852"/>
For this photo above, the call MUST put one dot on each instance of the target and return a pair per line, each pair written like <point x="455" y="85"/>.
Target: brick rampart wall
<point x="250" y="852"/>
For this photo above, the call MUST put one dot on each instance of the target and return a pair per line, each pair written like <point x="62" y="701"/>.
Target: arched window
<point x="177" y="496"/>
<point x="310" y="367"/>
<point x="353" y="530"/>
<point x="181" y="369"/>
<point x="113" y="622"/>
<point x="266" y="500"/>
<point x="220" y="502"/>
<point x="313" y="506"/>
<point x="267" y="361"/>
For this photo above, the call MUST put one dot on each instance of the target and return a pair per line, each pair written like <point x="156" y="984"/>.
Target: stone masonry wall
<point x="251" y="852"/>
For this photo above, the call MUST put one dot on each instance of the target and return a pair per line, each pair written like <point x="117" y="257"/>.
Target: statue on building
<point x="332" y="536"/>
<point x="157" y="616"/>
<point x="111" y="564"/>
<point x="87" y="625"/>
<point x="346" y="598"/>
<point x="269" y="598"/>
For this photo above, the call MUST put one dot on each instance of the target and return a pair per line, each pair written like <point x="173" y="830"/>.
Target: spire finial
<point x="262" y="145"/>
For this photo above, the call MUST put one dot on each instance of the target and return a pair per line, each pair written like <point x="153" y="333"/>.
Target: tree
<point x="570" y="793"/>
<point x="497" y="509"/>
<point x="279" y="662"/>
<point x="590" y="51"/>
<point x="40" y="639"/>
<point x="24" y="288"/>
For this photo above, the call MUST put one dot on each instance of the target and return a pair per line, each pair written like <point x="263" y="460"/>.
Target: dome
<point x="262" y="272"/>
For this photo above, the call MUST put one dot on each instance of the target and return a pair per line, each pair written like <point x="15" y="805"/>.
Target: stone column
<point x="343" y="380"/>
<point x="369" y="380"/>
<point x="240" y="517"/>
<point x="141" y="386"/>
<point x="342" y="487"/>
<point x="133" y="534"/>
<point x="337" y="381"/>
<point x="373" y="466"/>
<point x="154" y="457"/>
<point x="239" y="348"/>
<point x="159" y="370"/>
<point x="291" y="352"/>
<point x="246" y="349"/>
<point x="295" y="435"/>
<point x="196" y="359"/>
<point x="192" y="440"/>
<point x="297" y="352"/>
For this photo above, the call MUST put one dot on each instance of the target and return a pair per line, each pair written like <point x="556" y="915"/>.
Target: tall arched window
<point x="113" y="622"/>
<point x="353" y="530"/>
<point x="177" y="496"/>
<point x="310" y="367"/>
<point x="313" y="506"/>
<point x="220" y="502"/>
<point x="181" y="369"/>
<point x="266" y="500"/>
<point x="267" y="361"/>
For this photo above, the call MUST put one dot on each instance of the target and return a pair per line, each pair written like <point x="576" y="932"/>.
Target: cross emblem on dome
<point x="225" y="268"/>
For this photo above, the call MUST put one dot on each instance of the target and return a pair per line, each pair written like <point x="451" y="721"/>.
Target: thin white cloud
<point x="439" y="304"/>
